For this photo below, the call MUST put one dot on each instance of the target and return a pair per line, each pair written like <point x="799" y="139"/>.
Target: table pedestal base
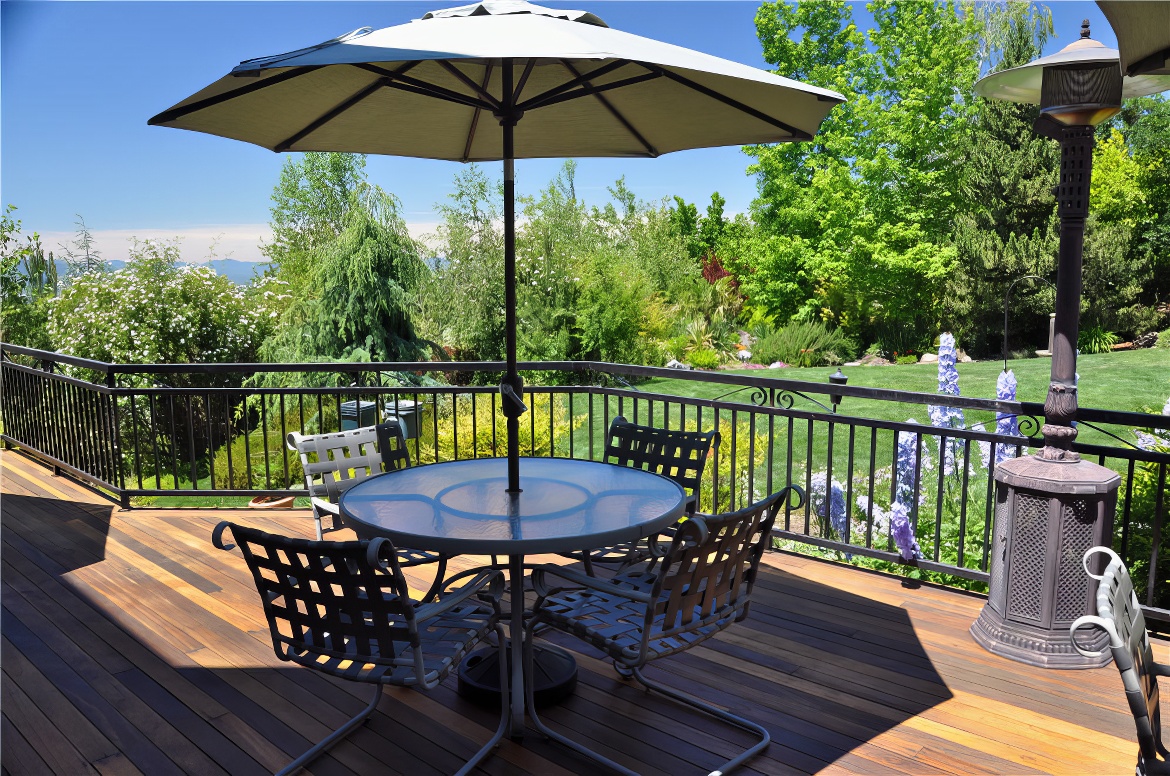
<point x="554" y="675"/>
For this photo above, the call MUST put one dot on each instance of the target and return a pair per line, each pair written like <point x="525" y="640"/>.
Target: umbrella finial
<point x="1085" y="28"/>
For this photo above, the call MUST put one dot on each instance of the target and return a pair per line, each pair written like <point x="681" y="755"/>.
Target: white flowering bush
<point x="155" y="311"/>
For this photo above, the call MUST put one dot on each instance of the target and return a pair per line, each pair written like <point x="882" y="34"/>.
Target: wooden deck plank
<point x="131" y="645"/>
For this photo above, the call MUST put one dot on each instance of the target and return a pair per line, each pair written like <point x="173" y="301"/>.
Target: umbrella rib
<point x="589" y="89"/>
<point x="597" y="73"/>
<point x="487" y="74"/>
<point x="408" y="84"/>
<point x="797" y="134"/>
<point x="596" y="91"/>
<point x="177" y="113"/>
<point x="1155" y="61"/>
<point x="523" y="80"/>
<point x="285" y="145"/>
<point x="480" y="90"/>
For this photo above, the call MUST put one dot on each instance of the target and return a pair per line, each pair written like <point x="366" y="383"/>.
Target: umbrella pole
<point x="513" y="387"/>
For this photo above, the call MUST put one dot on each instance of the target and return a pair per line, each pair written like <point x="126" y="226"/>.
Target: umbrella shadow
<point x="75" y="530"/>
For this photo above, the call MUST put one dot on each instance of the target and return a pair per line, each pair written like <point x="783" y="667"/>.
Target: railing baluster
<point x="1156" y="538"/>
<point x="174" y="441"/>
<point x="154" y="442"/>
<point x="873" y="432"/>
<point x="941" y="485"/>
<point x="826" y="525"/>
<point x="263" y="400"/>
<point x="137" y="451"/>
<point x="1125" y="512"/>
<point x="849" y="486"/>
<point x="963" y="503"/>
<point x="808" y="472"/>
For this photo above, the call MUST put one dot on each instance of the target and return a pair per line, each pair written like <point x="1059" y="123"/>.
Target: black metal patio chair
<point x="702" y="585"/>
<point x="675" y="453"/>
<point x="1119" y="614"/>
<point x="334" y="463"/>
<point x="344" y="608"/>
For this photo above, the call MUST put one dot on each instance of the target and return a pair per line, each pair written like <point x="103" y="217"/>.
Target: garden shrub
<point x="1163" y="340"/>
<point x="703" y="358"/>
<point x="1095" y="339"/>
<point x="804" y="344"/>
<point x="906" y="360"/>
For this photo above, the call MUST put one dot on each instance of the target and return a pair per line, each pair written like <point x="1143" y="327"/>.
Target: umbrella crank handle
<point x="513" y="405"/>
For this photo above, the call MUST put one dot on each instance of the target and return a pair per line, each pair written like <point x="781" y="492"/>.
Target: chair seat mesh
<point x="615" y="624"/>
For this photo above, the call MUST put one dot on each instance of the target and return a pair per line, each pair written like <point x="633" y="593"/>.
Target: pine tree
<point x="1006" y="227"/>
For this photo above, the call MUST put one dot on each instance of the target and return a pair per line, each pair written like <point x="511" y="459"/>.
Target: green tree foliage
<point x="591" y="281"/>
<point x="461" y="301"/>
<point x="855" y="225"/>
<point x="1006" y="226"/>
<point x="1128" y="262"/>
<point x="80" y="253"/>
<point x="351" y="270"/>
<point x="28" y="283"/>
<point x="309" y="208"/>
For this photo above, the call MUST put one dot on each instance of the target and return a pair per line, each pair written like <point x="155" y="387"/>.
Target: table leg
<point x="516" y="580"/>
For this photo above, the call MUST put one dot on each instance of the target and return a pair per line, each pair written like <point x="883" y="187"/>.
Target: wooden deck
<point x="130" y="645"/>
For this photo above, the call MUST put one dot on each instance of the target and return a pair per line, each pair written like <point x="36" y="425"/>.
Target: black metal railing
<point x="213" y="430"/>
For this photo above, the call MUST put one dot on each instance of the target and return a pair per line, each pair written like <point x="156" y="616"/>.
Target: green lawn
<point x="1134" y="381"/>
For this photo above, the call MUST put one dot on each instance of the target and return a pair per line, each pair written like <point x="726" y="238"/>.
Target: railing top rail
<point x="724" y="378"/>
<point x="48" y="355"/>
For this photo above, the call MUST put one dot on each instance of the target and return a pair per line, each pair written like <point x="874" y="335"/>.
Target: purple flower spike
<point x="1005" y="390"/>
<point x="902" y="532"/>
<point x="830" y="504"/>
<point x="948" y="383"/>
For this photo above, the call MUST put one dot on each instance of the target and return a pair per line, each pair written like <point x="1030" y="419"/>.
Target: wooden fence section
<point x="131" y="645"/>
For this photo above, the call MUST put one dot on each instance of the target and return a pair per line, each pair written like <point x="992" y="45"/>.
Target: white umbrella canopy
<point x="1143" y="35"/>
<point x="558" y="83"/>
<point x="423" y="88"/>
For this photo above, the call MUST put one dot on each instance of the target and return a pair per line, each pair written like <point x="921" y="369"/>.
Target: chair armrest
<point x="582" y="580"/>
<point x="482" y="579"/>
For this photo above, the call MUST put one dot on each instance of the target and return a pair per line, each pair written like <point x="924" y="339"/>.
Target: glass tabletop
<point x="462" y="506"/>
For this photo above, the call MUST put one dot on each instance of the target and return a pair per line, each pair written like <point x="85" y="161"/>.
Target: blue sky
<point x="78" y="80"/>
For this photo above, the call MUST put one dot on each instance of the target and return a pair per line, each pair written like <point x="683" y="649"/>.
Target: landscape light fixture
<point x="1053" y="506"/>
<point x="837" y="378"/>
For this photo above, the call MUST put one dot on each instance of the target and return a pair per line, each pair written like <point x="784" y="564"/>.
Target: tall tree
<point x="1006" y="226"/>
<point x="855" y="225"/>
<point x="350" y="266"/>
<point x="309" y="207"/>
<point x="81" y="254"/>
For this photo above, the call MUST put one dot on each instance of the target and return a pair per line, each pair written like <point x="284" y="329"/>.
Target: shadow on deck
<point x="131" y="645"/>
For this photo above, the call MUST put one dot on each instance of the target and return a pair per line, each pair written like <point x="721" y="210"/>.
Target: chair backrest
<point x="392" y="445"/>
<point x="677" y="454"/>
<point x="329" y="602"/>
<point x="333" y="463"/>
<point x="1120" y="615"/>
<point x="707" y="575"/>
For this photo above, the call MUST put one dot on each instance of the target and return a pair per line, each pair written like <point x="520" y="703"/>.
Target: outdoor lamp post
<point x="837" y="378"/>
<point x="1052" y="506"/>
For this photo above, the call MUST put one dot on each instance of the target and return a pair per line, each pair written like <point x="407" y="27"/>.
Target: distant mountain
<point x="239" y="272"/>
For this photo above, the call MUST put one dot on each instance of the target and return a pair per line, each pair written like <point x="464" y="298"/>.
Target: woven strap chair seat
<point x="614" y="623"/>
<point x="444" y="641"/>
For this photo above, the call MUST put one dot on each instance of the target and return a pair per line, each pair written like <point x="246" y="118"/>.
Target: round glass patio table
<point x="462" y="507"/>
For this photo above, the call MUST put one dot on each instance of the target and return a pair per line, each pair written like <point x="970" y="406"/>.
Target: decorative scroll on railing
<point x="894" y="493"/>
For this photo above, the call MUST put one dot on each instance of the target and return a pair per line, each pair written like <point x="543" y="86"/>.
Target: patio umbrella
<point x="1143" y="35"/>
<point x="556" y="82"/>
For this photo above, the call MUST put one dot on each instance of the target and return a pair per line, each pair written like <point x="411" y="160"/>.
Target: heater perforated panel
<point x="1029" y="555"/>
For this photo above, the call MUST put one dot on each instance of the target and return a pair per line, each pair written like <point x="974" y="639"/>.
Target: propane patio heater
<point x="1052" y="506"/>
